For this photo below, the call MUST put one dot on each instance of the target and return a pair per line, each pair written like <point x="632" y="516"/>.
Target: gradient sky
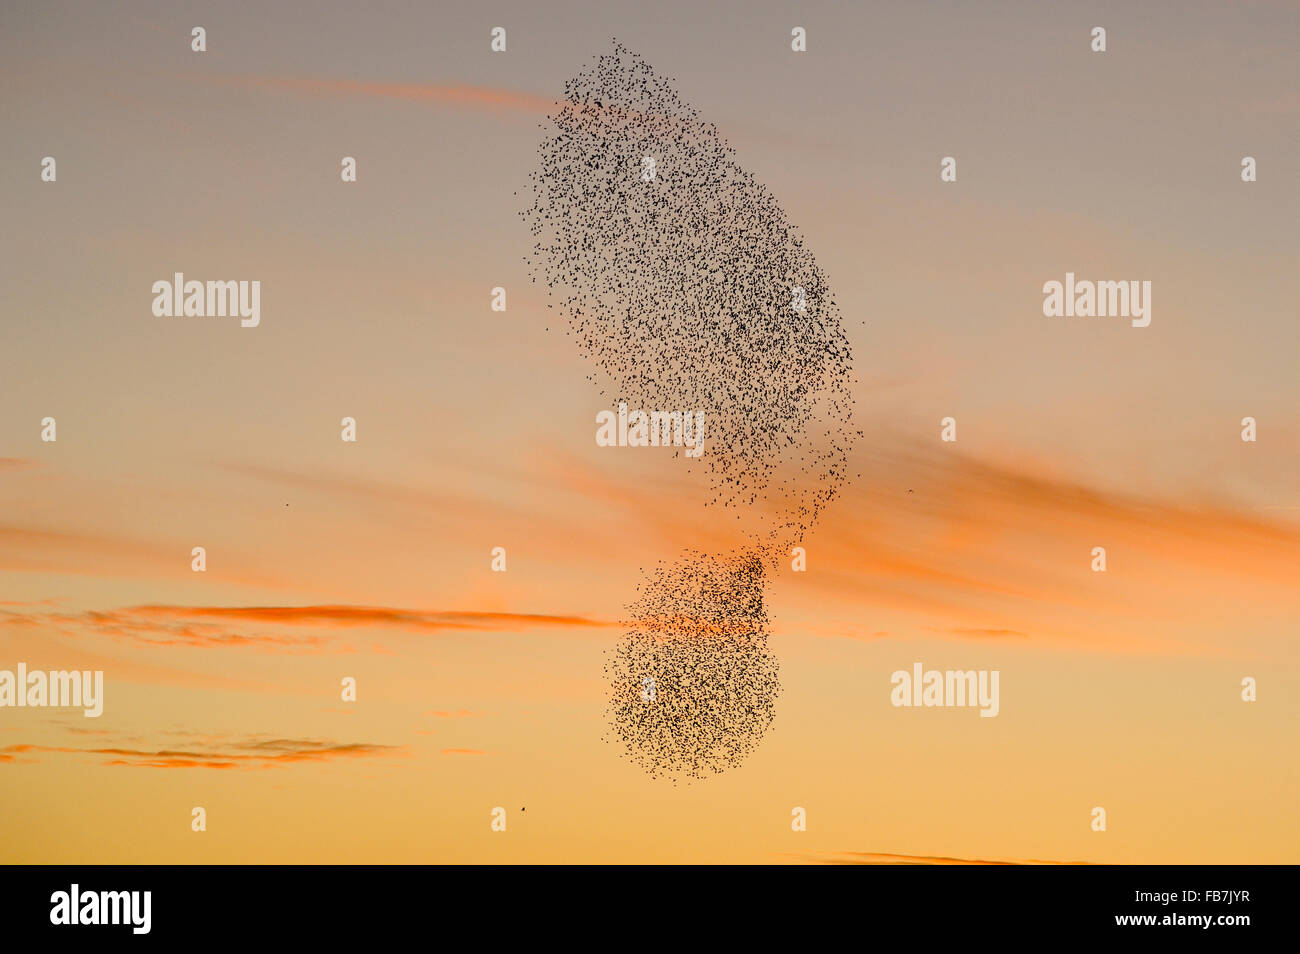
<point x="475" y="430"/>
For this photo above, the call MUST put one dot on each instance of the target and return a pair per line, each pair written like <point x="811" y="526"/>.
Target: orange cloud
<point x="213" y="626"/>
<point x="980" y="549"/>
<point x="252" y="753"/>
<point x="35" y="550"/>
<point x="372" y="616"/>
<point x="463" y="96"/>
<point x="978" y="632"/>
<point x="38" y="550"/>
<point x="884" y="858"/>
<point x="924" y="540"/>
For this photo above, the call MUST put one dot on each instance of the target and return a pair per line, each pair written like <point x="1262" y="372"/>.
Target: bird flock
<point x="685" y="285"/>
<point x="692" y="684"/>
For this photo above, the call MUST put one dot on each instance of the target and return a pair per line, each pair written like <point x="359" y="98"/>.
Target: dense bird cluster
<point x="687" y="287"/>
<point x="690" y="290"/>
<point x="693" y="685"/>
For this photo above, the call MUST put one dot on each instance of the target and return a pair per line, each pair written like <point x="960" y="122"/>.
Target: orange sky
<point x="475" y="430"/>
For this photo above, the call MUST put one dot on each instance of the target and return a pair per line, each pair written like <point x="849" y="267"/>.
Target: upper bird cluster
<point x="689" y="288"/>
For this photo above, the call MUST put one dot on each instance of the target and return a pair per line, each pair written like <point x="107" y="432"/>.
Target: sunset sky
<point x="475" y="428"/>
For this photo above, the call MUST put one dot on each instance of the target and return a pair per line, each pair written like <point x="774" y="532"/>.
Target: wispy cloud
<point x="980" y="549"/>
<point x="273" y="627"/>
<point x="249" y="753"/>
<point x="459" y="95"/>
<point x="486" y="99"/>
<point x="886" y="858"/>
<point x="930" y="540"/>
<point x="29" y="549"/>
<point x="977" y="632"/>
<point x="379" y="616"/>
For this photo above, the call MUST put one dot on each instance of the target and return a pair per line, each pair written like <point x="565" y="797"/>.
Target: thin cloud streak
<point x="886" y="858"/>
<point x="463" y="96"/>
<point x="250" y="754"/>
<point x="215" y="627"/>
<point x="379" y="616"/>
